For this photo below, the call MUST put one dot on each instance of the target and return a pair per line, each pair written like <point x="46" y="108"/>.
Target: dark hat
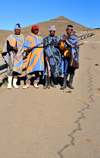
<point x="17" y="27"/>
<point x="69" y="27"/>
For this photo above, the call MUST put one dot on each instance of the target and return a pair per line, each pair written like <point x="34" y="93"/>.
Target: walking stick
<point x="48" y="75"/>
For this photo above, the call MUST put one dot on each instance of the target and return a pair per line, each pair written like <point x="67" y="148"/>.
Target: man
<point x="70" y="47"/>
<point x="14" y="49"/>
<point x="35" y="57"/>
<point x="52" y="58"/>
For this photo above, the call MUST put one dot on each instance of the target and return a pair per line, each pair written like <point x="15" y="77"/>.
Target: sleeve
<point x="9" y="47"/>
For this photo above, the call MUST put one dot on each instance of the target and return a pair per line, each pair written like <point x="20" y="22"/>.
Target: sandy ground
<point x="37" y="123"/>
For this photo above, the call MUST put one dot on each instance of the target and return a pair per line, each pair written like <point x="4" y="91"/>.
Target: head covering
<point x="17" y="27"/>
<point x="52" y="28"/>
<point x="34" y="27"/>
<point x="69" y="27"/>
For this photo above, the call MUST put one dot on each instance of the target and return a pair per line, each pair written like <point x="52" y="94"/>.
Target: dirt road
<point x="37" y="123"/>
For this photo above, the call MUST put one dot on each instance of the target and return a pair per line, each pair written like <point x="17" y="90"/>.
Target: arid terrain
<point x="37" y="123"/>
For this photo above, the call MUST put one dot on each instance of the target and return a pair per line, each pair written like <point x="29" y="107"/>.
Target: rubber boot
<point x="64" y="83"/>
<point x="9" y="82"/>
<point x="52" y="82"/>
<point x="70" y="82"/>
<point x="46" y="82"/>
<point x="14" y="82"/>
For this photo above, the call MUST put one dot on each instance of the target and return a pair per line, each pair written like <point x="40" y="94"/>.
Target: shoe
<point x="36" y="86"/>
<point x="9" y="82"/>
<point x="64" y="83"/>
<point x="46" y="82"/>
<point x="26" y="86"/>
<point x="14" y="82"/>
<point x="70" y="82"/>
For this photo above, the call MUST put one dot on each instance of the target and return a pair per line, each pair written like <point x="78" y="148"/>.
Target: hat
<point x="17" y="27"/>
<point x="34" y="27"/>
<point x="69" y="27"/>
<point x="52" y="28"/>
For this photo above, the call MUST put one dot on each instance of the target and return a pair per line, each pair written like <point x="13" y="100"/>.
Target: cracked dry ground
<point x="37" y="123"/>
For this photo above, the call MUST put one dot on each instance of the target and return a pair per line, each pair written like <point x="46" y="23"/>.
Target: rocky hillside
<point x="60" y="23"/>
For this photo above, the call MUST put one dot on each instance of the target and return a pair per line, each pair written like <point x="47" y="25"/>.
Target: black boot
<point x="52" y="82"/>
<point x="64" y="83"/>
<point x="46" y="82"/>
<point x="70" y="82"/>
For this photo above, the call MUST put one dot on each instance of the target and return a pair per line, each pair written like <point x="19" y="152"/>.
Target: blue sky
<point x="28" y="12"/>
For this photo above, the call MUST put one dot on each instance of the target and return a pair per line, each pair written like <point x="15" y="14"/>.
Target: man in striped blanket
<point x="13" y="49"/>
<point x="70" y="47"/>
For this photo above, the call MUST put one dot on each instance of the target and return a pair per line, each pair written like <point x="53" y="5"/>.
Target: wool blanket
<point x="35" y="58"/>
<point x="54" y="55"/>
<point x="16" y="58"/>
<point x="71" y="42"/>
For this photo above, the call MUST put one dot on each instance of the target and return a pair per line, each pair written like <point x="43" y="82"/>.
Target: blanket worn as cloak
<point x="71" y="41"/>
<point x="35" y="59"/>
<point x="54" y="55"/>
<point x="16" y="58"/>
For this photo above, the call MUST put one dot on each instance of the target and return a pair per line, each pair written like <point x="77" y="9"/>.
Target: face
<point x="17" y="32"/>
<point x="35" y="32"/>
<point x="69" y="31"/>
<point x="52" y="33"/>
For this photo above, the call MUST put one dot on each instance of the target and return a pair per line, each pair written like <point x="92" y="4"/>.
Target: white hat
<point x="52" y="28"/>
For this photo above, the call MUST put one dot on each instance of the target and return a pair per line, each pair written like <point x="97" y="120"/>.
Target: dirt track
<point x="37" y="123"/>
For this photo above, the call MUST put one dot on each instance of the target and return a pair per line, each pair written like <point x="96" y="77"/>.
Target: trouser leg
<point x="66" y="60"/>
<point x="10" y="71"/>
<point x="36" y="81"/>
<point x="47" y="69"/>
<point x="28" y="79"/>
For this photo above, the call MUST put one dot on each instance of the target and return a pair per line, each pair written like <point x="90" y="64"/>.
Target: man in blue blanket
<point x="70" y="47"/>
<point x="53" y="59"/>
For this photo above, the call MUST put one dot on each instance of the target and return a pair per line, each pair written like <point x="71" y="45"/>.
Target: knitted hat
<point x="34" y="27"/>
<point x="53" y="28"/>
<point x="17" y="27"/>
<point x="69" y="27"/>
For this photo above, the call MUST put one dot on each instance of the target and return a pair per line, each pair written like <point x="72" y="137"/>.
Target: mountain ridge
<point x="60" y="23"/>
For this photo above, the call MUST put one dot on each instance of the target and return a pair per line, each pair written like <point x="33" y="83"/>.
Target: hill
<point x="60" y="23"/>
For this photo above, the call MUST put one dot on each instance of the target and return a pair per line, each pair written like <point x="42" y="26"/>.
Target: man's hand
<point x="46" y="58"/>
<point x="15" y="49"/>
<point x="64" y="39"/>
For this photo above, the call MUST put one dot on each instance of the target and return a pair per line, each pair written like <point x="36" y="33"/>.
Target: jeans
<point x="68" y="69"/>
